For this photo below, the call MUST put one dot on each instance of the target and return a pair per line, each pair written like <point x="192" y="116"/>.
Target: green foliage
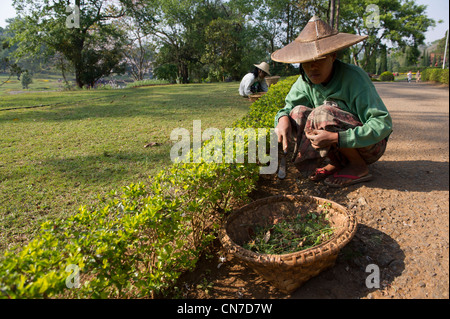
<point x="436" y="75"/>
<point x="262" y="112"/>
<point x="223" y="50"/>
<point x="386" y="76"/>
<point x="137" y="245"/>
<point x="145" y="236"/>
<point x="93" y="47"/>
<point x="444" y="76"/>
<point x="166" y="72"/>
<point x="26" y="80"/>
<point x="402" y="23"/>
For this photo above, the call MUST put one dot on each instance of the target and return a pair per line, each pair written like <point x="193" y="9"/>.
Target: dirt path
<point x="403" y="214"/>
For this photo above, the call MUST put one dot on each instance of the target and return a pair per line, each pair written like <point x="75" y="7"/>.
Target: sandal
<point x="351" y="180"/>
<point x="320" y="174"/>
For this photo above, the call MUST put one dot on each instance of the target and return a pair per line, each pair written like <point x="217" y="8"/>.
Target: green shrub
<point x="167" y="72"/>
<point x="262" y="111"/>
<point x="144" y="237"/>
<point x="425" y="75"/>
<point x="386" y="76"/>
<point x="26" y="80"/>
<point x="137" y="245"/>
<point x="436" y="75"/>
<point x="444" y="76"/>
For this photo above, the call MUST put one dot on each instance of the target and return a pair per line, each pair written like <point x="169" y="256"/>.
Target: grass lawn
<point x="86" y="143"/>
<point x="41" y="82"/>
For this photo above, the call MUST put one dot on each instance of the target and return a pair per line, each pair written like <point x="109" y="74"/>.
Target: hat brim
<point x="301" y="52"/>
<point x="262" y="68"/>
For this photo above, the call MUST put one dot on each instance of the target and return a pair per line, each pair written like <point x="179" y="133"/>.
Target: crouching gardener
<point x="333" y="110"/>
<point x="254" y="82"/>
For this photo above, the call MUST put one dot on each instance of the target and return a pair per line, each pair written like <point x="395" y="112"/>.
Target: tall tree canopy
<point x="399" y="23"/>
<point x="81" y="32"/>
<point x="198" y="39"/>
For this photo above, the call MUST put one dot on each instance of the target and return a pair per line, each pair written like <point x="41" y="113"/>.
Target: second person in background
<point x="254" y="82"/>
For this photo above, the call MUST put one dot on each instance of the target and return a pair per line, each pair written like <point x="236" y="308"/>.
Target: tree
<point x="412" y="55"/>
<point x="288" y="17"/>
<point x="232" y="45"/>
<point x="26" y="79"/>
<point x="440" y="48"/>
<point x="202" y="38"/>
<point x="139" y="50"/>
<point x="83" y="34"/>
<point x="398" y="23"/>
<point x="6" y="65"/>
<point x="173" y="24"/>
<point x="382" y="66"/>
<point x="425" y="58"/>
<point x="333" y="13"/>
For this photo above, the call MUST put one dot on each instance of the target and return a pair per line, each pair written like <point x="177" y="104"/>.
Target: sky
<point x="437" y="10"/>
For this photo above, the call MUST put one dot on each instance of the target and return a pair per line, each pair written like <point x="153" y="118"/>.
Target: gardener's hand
<point x="322" y="138"/>
<point x="283" y="130"/>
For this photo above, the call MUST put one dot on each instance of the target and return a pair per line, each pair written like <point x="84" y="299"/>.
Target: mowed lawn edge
<point x="72" y="153"/>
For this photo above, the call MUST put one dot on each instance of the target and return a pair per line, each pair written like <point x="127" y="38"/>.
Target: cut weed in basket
<point x="292" y="233"/>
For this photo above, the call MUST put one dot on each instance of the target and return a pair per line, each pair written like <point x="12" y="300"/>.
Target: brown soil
<point x="403" y="215"/>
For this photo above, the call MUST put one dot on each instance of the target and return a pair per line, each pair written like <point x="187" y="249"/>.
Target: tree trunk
<point x="332" y="6"/>
<point x="336" y="19"/>
<point x="183" y="72"/>
<point x="78" y="73"/>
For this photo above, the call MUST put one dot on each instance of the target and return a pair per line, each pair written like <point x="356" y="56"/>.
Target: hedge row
<point x="262" y="112"/>
<point x="145" y="237"/>
<point x="436" y="75"/>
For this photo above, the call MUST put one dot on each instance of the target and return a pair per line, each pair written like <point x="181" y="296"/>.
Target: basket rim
<point x="258" y="94"/>
<point x="333" y="245"/>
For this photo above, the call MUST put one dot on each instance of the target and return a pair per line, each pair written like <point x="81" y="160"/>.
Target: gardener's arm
<point x="377" y="122"/>
<point x="283" y="130"/>
<point x="296" y="96"/>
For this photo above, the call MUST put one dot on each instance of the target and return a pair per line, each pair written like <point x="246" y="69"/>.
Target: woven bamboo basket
<point x="289" y="271"/>
<point x="256" y="96"/>
<point x="271" y="79"/>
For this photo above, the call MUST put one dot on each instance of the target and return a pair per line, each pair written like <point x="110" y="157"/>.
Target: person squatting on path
<point x="254" y="81"/>
<point x="332" y="111"/>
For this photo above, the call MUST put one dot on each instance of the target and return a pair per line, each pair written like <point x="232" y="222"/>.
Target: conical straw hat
<point x="316" y="40"/>
<point x="263" y="66"/>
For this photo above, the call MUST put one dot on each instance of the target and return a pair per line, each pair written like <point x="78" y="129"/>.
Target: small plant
<point x="26" y="80"/>
<point x="290" y="234"/>
<point x="386" y="76"/>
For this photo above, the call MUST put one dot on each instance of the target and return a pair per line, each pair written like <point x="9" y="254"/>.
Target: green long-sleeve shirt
<point x="351" y="88"/>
